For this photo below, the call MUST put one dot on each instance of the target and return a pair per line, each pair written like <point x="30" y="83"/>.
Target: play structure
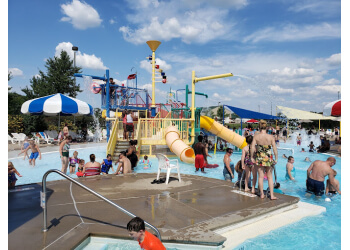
<point x="159" y="127"/>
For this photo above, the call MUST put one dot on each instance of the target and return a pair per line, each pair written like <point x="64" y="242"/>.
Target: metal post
<point x="107" y="104"/>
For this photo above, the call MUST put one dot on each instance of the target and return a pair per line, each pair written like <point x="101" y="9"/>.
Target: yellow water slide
<point x="177" y="146"/>
<point x="221" y="131"/>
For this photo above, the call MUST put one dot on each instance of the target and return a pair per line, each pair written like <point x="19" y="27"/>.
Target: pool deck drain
<point x="198" y="210"/>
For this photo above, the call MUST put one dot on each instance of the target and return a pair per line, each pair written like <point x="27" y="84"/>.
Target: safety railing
<point x="43" y="200"/>
<point x="152" y="130"/>
<point x="112" y="142"/>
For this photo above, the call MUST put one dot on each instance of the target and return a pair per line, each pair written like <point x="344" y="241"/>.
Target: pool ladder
<point x="43" y="200"/>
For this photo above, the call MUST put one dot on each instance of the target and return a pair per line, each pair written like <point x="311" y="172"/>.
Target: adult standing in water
<point x="264" y="160"/>
<point x="200" y="153"/>
<point x="64" y="153"/>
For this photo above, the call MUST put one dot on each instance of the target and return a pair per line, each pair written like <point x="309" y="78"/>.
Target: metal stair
<point x="121" y="146"/>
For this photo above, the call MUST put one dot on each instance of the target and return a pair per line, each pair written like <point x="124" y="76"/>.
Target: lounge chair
<point x="164" y="163"/>
<point x="38" y="139"/>
<point x="12" y="140"/>
<point x="47" y="139"/>
<point x="18" y="137"/>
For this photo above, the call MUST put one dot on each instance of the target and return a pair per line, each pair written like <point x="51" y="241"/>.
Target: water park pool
<point x="312" y="232"/>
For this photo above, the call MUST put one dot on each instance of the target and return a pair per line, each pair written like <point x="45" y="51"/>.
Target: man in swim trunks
<point x="148" y="241"/>
<point x="316" y="173"/>
<point x="124" y="163"/>
<point x="200" y="153"/>
<point x="35" y="153"/>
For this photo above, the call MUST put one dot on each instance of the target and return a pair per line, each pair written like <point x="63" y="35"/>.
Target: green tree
<point x="58" y="79"/>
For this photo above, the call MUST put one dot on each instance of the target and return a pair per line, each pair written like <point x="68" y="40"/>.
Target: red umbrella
<point x="332" y="109"/>
<point x="252" y="121"/>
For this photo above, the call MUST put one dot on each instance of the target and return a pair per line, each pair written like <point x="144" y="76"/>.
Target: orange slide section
<point x="177" y="146"/>
<point x="221" y="131"/>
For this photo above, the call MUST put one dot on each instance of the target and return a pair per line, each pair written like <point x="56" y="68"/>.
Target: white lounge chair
<point x="52" y="136"/>
<point x="18" y="137"/>
<point x="164" y="163"/>
<point x="12" y="140"/>
<point x="38" y="139"/>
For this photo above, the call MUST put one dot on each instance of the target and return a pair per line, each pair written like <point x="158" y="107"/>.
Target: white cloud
<point x="15" y="72"/>
<point x="279" y="90"/>
<point x="292" y="32"/>
<point x="81" y="15"/>
<point x="221" y="98"/>
<point x="190" y="21"/>
<point x="244" y="93"/>
<point x="331" y="81"/>
<point x="329" y="88"/>
<point x="334" y="59"/>
<point x="318" y="7"/>
<point x="82" y="59"/>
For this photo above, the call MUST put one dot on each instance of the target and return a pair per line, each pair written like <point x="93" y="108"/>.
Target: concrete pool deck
<point x="187" y="212"/>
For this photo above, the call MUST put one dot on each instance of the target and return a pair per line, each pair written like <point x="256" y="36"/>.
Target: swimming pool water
<point x="318" y="232"/>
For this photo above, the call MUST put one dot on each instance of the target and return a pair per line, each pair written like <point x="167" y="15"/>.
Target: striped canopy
<point x="56" y="104"/>
<point x="332" y="109"/>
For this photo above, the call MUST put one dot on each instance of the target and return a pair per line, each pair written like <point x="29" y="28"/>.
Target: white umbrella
<point x="56" y="104"/>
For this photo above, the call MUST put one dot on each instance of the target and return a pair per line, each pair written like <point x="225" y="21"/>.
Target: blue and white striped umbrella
<point x="56" y="104"/>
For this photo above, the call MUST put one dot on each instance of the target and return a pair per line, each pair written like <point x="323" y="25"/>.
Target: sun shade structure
<point x="244" y="113"/>
<point x="291" y="113"/>
<point x="332" y="109"/>
<point x="56" y="104"/>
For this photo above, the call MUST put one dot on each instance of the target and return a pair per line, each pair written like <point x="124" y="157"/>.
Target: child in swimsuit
<point x="107" y="164"/>
<point x="24" y="147"/>
<point x="12" y="171"/>
<point x="80" y="168"/>
<point x="290" y="169"/>
<point x="145" y="162"/>
<point x="299" y="140"/>
<point x="72" y="162"/>
<point x="330" y="189"/>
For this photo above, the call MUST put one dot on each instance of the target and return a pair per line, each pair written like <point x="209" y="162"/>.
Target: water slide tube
<point x="177" y="146"/>
<point x="221" y="131"/>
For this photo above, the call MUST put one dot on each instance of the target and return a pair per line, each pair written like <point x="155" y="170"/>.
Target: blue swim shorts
<point x="34" y="155"/>
<point x="316" y="187"/>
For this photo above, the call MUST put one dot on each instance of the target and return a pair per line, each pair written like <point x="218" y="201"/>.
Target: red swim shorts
<point x="199" y="161"/>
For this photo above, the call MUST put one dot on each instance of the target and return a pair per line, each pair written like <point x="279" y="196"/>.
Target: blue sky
<point x="281" y="52"/>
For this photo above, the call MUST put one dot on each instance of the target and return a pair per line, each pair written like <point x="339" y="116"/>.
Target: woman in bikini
<point x="64" y="153"/>
<point x="264" y="158"/>
<point x="248" y="165"/>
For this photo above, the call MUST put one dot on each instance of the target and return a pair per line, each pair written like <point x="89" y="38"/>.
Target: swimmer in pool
<point x="307" y="159"/>
<point x="137" y="231"/>
<point x="316" y="173"/>
<point x="290" y="169"/>
<point x="330" y="189"/>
